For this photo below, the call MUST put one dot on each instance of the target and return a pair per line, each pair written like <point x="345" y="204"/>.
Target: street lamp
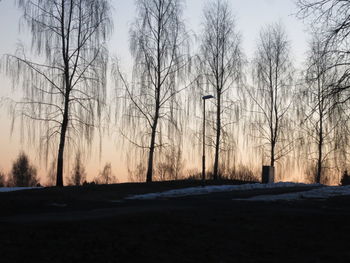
<point x="203" y="157"/>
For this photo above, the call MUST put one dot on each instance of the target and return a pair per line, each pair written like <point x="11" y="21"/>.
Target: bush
<point x="193" y="175"/>
<point x="242" y="173"/>
<point x="89" y="183"/>
<point x="78" y="175"/>
<point x="106" y="176"/>
<point x="23" y="173"/>
<point x="2" y="179"/>
<point x="139" y="174"/>
<point x="345" y="178"/>
<point x="51" y="175"/>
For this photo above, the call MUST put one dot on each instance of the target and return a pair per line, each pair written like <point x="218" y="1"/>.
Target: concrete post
<point x="268" y="174"/>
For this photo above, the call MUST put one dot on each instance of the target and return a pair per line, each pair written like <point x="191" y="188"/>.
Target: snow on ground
<point x="319" y="193"/>
<point x="214" y="189"/>
<point x="11" y="189"/>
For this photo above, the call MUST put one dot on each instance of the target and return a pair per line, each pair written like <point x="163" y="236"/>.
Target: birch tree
<point x="332" y="19"/>
<point x="220" y="65"/>
<point x="159" y="45"/>
<point x="271" y="94"/>
<point x="63" y="80"/>
<point x="320" y="119"/>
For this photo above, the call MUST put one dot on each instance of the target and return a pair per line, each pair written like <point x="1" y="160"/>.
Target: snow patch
<point x="202" y="190"/>
<point x="319" y="193"/>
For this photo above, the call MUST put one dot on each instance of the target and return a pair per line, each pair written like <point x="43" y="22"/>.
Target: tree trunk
<point x="149" y="176"/>
<point x="320" y="145"/>
<point x="218" y="133"/>
<point x="64" y="126"/>
<point x="151" y="152"/>
<point x="320" y="131"/>
<point x="319" y="164"/>
<point x="272" y="160"/>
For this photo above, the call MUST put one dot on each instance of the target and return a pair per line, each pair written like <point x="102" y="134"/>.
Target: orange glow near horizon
<point x="114" y="149"/>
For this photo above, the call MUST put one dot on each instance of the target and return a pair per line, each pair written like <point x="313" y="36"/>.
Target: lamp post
<point x="203" y="157"/>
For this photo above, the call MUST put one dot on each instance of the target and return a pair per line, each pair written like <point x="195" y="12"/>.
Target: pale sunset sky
<point x="250" y="15"/>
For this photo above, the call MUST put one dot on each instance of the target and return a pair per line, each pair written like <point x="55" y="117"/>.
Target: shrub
<point x="106" y="176"/>
<point x="51" y="175"/>
<point x="138" y="174"/>
<point x="193" y="174"/>
<point x="345" y="178"/>
<point x="89" y="183"/>
<point x="23" y="173"/>
<point x="2" y="179"/>
<point x="242" y="173"/>
<point x="78" y="175"/>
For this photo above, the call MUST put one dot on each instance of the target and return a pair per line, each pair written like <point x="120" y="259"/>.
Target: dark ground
<point x="85" y="224"/>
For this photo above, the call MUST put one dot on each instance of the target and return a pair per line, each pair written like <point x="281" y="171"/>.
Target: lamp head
<point x="207" y="97"/>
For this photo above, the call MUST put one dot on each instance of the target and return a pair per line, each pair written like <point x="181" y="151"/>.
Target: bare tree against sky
<point x="159" y="45"/>
<point x="64" y="79"/>
<point x="78" y="174"/>
<point x="320" y="120"/>
<point x="332" y="19"/>
<point x="106" y="176"/>
<point x="272" y="92"/>
<point x="52" y="173"/>
<point x="171" y="166"/>
<point x="23" y="173"/>
<point x="220" y="65"/>
<point x="2" y="175"/>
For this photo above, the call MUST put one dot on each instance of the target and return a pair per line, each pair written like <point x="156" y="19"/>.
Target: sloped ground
<point x="83" y="197"/>
<point x="206" y="228"/>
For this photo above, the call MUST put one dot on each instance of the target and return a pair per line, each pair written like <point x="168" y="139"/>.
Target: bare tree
<point x="171" y="165"/>
<point x="78" y="175"/>
<point x="332" y="19"/>
<point x="23" y="173"/>
<point x="138" y="174"/>
<point x="320" y="119"/>
<point x="64" y="87"/>
<point x="271" y="93"/>
<point x="106" y="176"/>
<point x="159" y="45"/>
<point x="51" y="174"/>
<point x="2" y="179"/>
<point x="220" y="64"/>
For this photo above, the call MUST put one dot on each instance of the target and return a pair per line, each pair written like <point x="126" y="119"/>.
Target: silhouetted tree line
<point x="24" y="174"/>
<point x="265" y="107"/>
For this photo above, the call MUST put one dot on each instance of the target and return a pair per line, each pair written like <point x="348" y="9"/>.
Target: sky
<point x="251" y="16"/>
